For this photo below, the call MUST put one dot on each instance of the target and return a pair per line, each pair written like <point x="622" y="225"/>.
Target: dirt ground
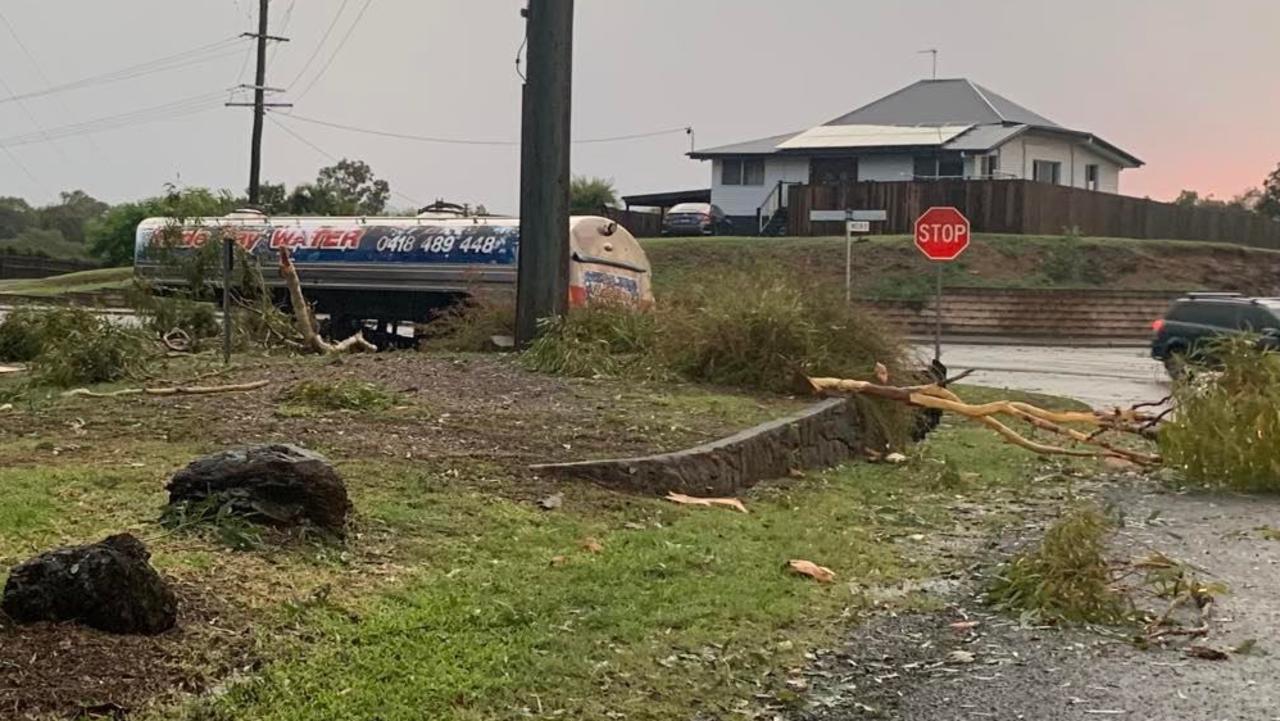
<point x="482" y="420"/>
<point x="919" y="667"/>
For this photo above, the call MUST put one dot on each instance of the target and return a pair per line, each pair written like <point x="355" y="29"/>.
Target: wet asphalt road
<point x="1101" y="377"/>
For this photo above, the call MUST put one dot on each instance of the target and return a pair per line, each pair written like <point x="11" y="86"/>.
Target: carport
<point x="664" y="201"/>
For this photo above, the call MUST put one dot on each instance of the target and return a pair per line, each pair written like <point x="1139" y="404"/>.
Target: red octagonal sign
<point x="942" y="233"/>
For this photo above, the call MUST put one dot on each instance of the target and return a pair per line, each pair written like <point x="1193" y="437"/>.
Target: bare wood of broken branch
<point x="937" y="398"/>
<point x="170" y="391"/>
<point x="305" y="319"/>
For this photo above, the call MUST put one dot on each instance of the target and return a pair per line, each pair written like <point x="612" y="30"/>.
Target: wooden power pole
<point x="259" y="106"/>
<point x="542" y="289"/>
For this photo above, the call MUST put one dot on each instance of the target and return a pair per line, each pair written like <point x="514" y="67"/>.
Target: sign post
<point x="942" y="234"/>
<point x="850" y="228"/>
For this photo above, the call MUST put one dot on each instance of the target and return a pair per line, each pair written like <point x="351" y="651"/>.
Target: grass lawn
<point x="455" y="597"/>
<point x="88" y="281"/>
<point x="890" y="267"/>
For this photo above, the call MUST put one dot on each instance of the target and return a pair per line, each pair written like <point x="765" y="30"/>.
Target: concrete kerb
<point x="820" y="436"/>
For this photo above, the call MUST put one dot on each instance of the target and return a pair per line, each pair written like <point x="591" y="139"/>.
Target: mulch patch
<point x="71" y="671"/>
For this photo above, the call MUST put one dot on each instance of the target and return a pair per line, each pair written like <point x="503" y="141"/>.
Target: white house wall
<point x="745" y="199"/>
<point x="1018" y="157"/>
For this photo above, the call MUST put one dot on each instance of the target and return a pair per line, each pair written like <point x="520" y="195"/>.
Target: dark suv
<point x="1199" y="317"/>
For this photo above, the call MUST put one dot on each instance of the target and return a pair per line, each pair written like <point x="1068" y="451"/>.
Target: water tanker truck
<point x="394" y="270"/>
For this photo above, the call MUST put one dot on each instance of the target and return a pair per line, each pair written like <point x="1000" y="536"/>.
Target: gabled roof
<point x="991" y="120"/>
<point x="953" y="101"/>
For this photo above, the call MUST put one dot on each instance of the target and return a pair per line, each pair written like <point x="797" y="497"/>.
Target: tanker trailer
<point x="394" y="270"/>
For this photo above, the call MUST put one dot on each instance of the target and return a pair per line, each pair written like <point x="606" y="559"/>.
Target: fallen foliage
<point x="1065" y="578"/>
<point x="1226" y="432"/>
<point x="340" y="395"/>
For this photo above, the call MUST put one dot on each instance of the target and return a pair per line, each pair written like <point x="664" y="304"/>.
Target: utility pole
<point x="542" y="289"/>
<point x="259" y="106"/>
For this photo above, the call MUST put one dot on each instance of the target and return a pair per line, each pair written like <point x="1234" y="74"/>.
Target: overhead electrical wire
<point x="462" y="141"/>
<point x="160" y="65"/>
<point x="332" y="158"/>
<point x="320" y="45"/>
<point x="165" y="111"/>
<point x="332" y="56"/>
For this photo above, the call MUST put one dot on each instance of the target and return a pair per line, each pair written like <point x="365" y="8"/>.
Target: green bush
<point x="1065" y="578"/>
<point x="21" y="335"/>
<point x="78" y="347"/>
<point x="347" y="394"/>
<point x="603" y="339"/>
<point x="471" y="324"/>
<point x="1226" y="431"/>
<point x="764" y="329"/>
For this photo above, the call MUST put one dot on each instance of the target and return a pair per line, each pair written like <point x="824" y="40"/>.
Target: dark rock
<point x="279" y="484"/>
<point x="107" y="585"/>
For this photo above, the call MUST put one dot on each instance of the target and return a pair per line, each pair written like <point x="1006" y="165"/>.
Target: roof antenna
<point x="934" y="53"/>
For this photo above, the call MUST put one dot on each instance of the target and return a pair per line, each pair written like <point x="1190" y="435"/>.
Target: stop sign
<point x="942" y="233"/>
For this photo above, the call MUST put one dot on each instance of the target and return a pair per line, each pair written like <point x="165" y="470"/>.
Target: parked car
<point x="1196" y="318"/>
<point x="696" y="219"/>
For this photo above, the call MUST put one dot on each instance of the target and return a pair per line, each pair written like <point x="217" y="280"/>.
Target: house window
<point x="833" y="171"/>
<point x="1047" y="171"/>
<point x="742" y="171"/>
<point x="1091" y="176"/>
<point x="950" y="166"/>
<point x="938" y="166"/>
<point x="990" y="166"/>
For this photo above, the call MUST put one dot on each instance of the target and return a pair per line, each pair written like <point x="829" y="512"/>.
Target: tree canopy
<point x="588" y="195"/>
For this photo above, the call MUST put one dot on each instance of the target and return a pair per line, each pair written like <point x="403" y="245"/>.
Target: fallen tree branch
<point x="305" y="320"/>
<point x="171" y="391"/>
<point x="937" y="398"/>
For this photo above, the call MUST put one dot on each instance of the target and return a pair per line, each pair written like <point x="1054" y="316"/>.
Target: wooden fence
<point x="1028" y="208"/>
<point x="34" y="266"/>
<point x="641" y="225"/>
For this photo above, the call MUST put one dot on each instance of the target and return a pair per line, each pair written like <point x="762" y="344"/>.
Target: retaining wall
<point x="823" y="435"/>
<point x="1063" y="315"/>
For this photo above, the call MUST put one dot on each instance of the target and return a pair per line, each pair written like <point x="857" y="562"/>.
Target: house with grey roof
<point x="931" y="129"/>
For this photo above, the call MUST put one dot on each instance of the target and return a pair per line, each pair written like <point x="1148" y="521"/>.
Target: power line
<point x="166" y="111"/>
<point x="45" y="79"/>
<point x="160" y="65"/>
<point x="331" y="157"/>
<point x="461" y="141"/>
<point x="341" y="44"/>
<point x="320" y="45"/>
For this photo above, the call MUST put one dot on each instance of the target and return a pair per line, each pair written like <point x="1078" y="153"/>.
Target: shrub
<point x="78" y="347"/>
<point x="21" y="335"/>
<point x="470" y="324"/>
<point x="763" y="329"/>
<point x="1226" y="432"/>
<point x="1065" y="578"/>
<point x="351" y="395"/>
<point x="602" y="339"/>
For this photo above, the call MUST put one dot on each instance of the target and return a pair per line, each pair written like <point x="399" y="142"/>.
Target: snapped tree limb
<point x="306" y="321"/>
<point x="938" y="398"/>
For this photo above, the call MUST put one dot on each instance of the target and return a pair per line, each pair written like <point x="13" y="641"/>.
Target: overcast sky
<point x="1190" y="86"/>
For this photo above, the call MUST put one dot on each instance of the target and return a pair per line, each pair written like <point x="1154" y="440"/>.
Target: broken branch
<point x="171" y="391"/>
<point x="306" y="321"/>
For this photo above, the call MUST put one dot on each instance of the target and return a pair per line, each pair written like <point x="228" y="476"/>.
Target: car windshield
<point x="684" y="208"/>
